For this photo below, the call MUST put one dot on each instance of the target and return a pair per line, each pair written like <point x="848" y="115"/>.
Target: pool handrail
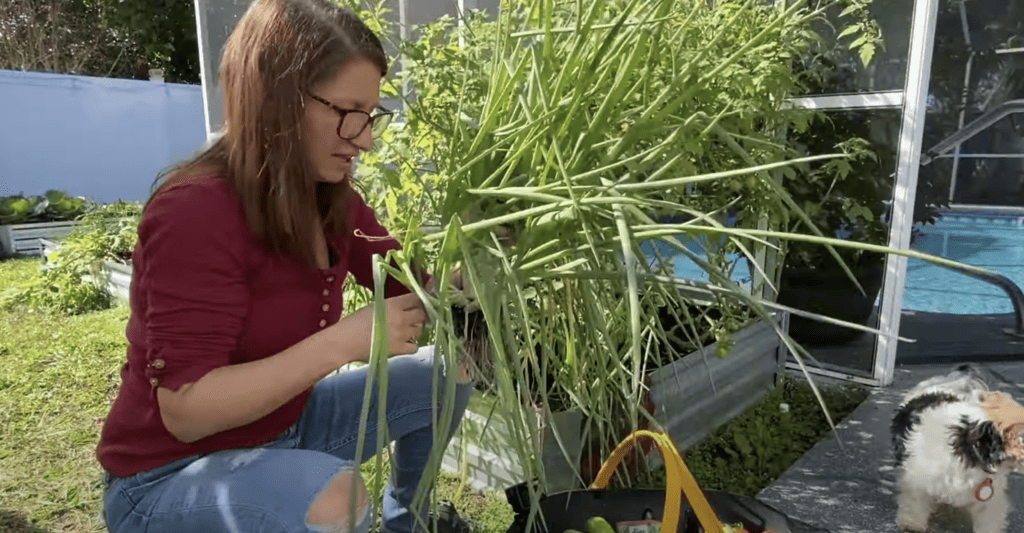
<point x="1008" y="286"/>
<point x="975" y="127"/>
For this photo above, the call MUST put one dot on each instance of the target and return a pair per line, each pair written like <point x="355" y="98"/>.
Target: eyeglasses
<point x="352" y="122"/>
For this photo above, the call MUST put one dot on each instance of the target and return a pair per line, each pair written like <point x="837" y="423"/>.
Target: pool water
<point x="685" y="268"/>
<point x="988" y="240"/>
<point x="984" y="239"/>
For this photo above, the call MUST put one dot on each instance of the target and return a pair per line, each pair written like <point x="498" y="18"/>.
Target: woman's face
<point x="356" y="86"/>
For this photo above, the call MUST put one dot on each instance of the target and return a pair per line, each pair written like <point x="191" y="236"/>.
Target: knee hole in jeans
<point x="331" y="510"/>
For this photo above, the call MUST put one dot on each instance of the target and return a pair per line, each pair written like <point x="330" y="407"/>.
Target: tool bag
<point x="681" y="508"/>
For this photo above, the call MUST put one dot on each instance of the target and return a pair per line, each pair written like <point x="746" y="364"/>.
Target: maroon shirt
<point x="206" y="294"/>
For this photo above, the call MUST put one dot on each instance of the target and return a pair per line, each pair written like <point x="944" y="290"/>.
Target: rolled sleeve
<point x="192" y="242"/>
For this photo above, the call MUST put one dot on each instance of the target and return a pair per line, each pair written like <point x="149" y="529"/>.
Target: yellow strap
<point x="680" y="481"/>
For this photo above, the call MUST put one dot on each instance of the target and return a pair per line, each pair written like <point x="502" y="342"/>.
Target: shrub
<point x="68" y="282"/>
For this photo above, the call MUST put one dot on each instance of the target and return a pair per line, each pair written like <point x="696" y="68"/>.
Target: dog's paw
<point x="911" y="526"/>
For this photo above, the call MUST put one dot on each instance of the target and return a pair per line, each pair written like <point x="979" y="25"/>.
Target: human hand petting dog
<point x="1003" y="410"/>
<point x="1008" y="416"/>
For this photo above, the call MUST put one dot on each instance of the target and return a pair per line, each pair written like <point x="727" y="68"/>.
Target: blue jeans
<point x="269" y="489"/>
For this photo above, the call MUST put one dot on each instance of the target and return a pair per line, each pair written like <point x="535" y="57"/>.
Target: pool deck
<point x="846" y="483"/>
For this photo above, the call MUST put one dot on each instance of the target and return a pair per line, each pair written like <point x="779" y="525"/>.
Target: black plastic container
<point x="571" y="510"/>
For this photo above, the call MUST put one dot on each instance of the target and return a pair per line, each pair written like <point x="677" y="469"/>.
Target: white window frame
<point x="913" y="99"/>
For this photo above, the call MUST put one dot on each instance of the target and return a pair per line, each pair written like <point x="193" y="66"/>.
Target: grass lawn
<point x="60" y="374"/>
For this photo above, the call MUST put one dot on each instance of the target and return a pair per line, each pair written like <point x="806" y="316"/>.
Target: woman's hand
<point x="405" y="319"/>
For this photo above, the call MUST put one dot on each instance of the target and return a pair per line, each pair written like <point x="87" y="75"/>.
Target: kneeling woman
<point x="224" y="421"/>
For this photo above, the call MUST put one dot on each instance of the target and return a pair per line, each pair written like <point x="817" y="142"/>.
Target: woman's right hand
<point x="405" y="319"/>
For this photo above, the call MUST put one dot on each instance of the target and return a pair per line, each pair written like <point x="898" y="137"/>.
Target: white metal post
<point x="403" y="36"/>
<point x="215" y="19"/>
<point x="966" y="28"/>
<point x="463" y="7"/>
<point x="205" y="68"/>
<point x="922" y="42"/>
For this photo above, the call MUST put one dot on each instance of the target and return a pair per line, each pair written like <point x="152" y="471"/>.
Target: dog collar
<point x="984" y="492"/>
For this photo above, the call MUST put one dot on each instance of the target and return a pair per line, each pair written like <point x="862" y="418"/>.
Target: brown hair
<point x="278" y="50"/>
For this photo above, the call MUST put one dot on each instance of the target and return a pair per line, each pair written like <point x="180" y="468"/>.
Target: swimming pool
<point x="986" y="239"/>
<point x="685" y="268"/>
<point x="991" y="240"/>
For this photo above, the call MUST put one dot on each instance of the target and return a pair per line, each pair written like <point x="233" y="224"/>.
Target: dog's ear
<point x="978" y="444"/>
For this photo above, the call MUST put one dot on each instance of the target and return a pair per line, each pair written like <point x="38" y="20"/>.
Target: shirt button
<point x="323" y="323"/>
<point x="326" y="307"/>
<point x="330" y="279"/>
<point x="327" y="292"/>
<point x="158" y="364"/>
<point x="154" y="382"/>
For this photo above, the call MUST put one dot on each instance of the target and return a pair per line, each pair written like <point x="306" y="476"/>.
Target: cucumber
<point x="596" y="524"/>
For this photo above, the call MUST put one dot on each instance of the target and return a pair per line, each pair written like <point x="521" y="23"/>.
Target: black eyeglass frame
<point x="371" y="120"/>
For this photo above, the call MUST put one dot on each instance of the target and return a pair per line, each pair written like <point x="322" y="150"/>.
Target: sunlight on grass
<point x="60" y="374"/>
<point x="16" y="271"/>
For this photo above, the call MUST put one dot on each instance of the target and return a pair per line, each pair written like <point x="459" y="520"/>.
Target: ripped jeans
<point x="269" y="489"/>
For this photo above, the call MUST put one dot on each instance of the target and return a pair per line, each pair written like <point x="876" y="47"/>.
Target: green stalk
<point x="377" y="369"/>
<point x="634" y="303"/>
<point x="618" y="92"/>
<point x="576" y="29"/>
<point x="662" y="230"/>
<point x="720" y="175"/>
<point x="496" y="100"/>
<point x="688" y="92"/>
<point x="588" y="231"/>
<point x="784" y="195"/>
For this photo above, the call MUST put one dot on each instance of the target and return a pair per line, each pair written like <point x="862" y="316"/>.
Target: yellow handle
<point x="680" y="481"/>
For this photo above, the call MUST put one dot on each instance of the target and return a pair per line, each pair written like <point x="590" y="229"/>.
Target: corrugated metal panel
<point x="699" y="393"/>
<point x="486" y="457"/>
<point x="24" y="238"/>
<point x="681" y="393"/>
<point x="485" y="453"/>
<point x="118" y="279"/>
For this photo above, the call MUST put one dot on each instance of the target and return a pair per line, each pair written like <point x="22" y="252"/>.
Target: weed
<point x="754" y="449"/>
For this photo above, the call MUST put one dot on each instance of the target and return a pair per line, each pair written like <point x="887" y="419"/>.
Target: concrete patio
<point x="846" y="483"/>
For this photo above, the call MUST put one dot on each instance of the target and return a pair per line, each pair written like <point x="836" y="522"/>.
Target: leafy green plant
<point x="546" y="146"/>
<point x="599" y="126"/>
<point x="754" y="449"/>
<point x="844" y="197"/>
<point x="52" y="206"/>
<point x="69" y="281"/>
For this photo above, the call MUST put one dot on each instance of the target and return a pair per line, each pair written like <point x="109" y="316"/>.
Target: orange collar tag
<point x="984" y="492"/>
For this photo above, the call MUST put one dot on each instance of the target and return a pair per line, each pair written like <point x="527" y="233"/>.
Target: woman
<point x="223" y="422"/>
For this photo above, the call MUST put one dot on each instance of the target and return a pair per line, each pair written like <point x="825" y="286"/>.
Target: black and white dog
<point x="956" y="443"/>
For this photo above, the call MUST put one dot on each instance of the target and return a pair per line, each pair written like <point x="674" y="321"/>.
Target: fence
<point x="102" y="138"/>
